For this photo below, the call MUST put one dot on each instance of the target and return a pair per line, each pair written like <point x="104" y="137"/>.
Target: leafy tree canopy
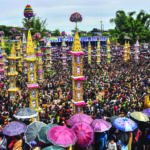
<point x="131" y="25"/>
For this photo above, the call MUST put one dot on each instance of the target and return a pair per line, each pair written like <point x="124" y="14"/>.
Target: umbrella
<point x="14" y="128"/>
<point x="32" y="131"/>
<point x="100" y="125"/>
<point x="147" y="112"/>
<point x="84" y="134"/>
<point x="25" y="113"/>
<point x="124" y="137"/>
<point x="61" y="136"/>
<point x="42" y="135"/>
<point x="139" y="116"/>
<point x="79" y="118"/>
<point x="53" y="148"/>
<point x="111" y="119"/>
<point x="124" y="124"/>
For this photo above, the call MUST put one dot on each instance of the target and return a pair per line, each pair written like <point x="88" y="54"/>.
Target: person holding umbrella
<point x="3" y="142"/>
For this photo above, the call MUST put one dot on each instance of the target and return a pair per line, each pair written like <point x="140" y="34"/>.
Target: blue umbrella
<point x="25" y="113"/>
<point x="124" y="124"/>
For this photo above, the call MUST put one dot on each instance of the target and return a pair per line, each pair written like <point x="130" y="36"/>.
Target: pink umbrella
<point x="100" y="125"/>
<point x="61" y="136"/>
<point x="79" y="118"/>
<point x="84" y="134"/>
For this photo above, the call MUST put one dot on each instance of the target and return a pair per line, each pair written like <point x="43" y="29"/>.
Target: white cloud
<point x="57" y="12"/>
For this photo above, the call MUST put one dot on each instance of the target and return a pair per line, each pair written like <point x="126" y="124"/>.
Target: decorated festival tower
<point x="40" y="71"/>
<point x="89" y="52"/>
<point x="1" y="66"/>
<point x="19" y="45"/>
<point x="98" y="52"/>
<point x="108" y="51"/>
<point x="77" y="73"/>
<point x="136" y="52"/>
<point x="128" y="51"/>
<point x="32" y="78"/>
<point x="64" y="58"/>
<point x="24" y="42"/>
<point x="12" y="73"/>
<point x="48" y="55"/>
<point x="125" y="56"/>
<point x="4" y="55"/>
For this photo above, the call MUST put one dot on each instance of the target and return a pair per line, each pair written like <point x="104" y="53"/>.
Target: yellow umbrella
<point x="139" y="116"/>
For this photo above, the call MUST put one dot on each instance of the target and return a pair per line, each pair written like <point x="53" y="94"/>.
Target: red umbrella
<point x="61" y="136"/>
<point x="84" y="134"/>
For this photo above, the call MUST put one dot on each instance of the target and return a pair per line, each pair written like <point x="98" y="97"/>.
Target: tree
<point x="56" y="32"/>
<point x="131" y="25"/>
<point x="36" y="24"/>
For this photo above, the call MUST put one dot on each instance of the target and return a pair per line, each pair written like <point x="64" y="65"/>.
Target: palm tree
<point x="36" y="24"/>
<point x="131" y="25"/>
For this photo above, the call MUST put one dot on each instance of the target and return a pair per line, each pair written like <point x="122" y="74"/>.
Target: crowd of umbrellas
<point x="79" y="131"/>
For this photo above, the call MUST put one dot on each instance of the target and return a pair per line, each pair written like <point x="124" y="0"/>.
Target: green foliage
<point x="56" y="32"/>
<point x="36" y="24"/>
<point x="7" y="30"/>
<point x="131" y="25"/>
<point x="8" y="46"/>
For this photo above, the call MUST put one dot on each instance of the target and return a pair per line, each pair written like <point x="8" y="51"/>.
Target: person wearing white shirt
<point x="112" y="145"/>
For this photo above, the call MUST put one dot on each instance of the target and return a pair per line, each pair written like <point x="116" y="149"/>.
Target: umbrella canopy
<point x="42" y="134"/>
<point x="61" y="136"/>
<point x="139" y="116"/>
<point x="32" y="131"/>
<point x="84" y="134"/>
<point x="124" y="124"/>
<point x="79" y="118"/>
<point x="25" y="113"/>
<point x="53" y="148"/>
<point x="14" y="128"/>
<point x="100" y="125"/>
<point x="112" y="118"/>
<point x="147" y="112"/>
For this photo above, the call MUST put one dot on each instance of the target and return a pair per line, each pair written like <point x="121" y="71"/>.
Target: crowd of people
<point x="114" y="89"/>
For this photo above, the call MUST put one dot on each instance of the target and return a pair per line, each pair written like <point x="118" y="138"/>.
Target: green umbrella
<point x="53" y="148"/>
<point x="42" y="134"/>
<point x="32" y="131"/>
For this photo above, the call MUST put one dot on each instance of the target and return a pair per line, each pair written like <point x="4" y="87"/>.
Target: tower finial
<point x="13" y="51"/>
<point x="30" y="46"/>
<point x="76" y="47"/>
<point x="108" y="41"/>
<point x="2" y="43"/>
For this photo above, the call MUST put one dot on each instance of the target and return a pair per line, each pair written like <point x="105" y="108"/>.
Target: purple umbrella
<point x="79" y="118"/>
<point x="147" y="112"/>
<point x="100" y="125"/>
<point x="14" y="128"/>
<point x="84" y="134"/>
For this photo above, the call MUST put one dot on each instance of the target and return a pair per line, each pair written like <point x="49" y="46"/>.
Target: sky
<point x="57" y="12"/>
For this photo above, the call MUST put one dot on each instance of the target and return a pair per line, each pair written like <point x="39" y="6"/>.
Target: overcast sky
<point x="57" y="12"/>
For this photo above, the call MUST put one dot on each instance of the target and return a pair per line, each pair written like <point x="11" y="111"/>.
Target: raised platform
<point x="32" y="86"/>
<point x="79" y="78"/>
<point x="76" y="53"/>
